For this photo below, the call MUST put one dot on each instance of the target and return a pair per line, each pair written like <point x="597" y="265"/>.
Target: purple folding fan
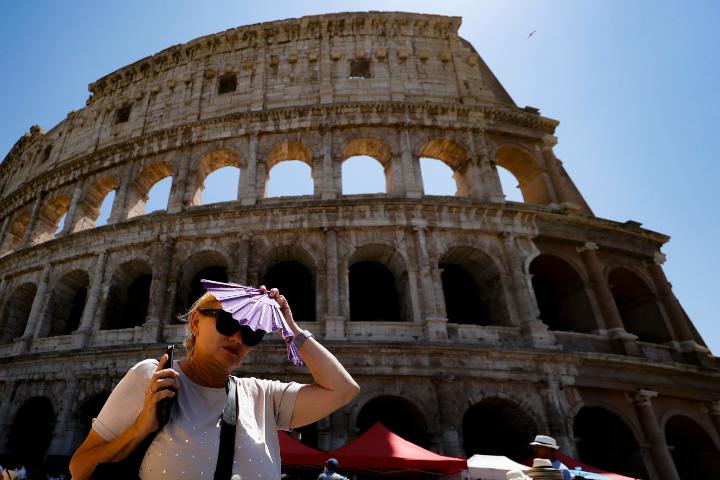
<point x="256" y="310"/>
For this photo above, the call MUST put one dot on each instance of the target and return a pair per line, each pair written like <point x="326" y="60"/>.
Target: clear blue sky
<point x="633" y="83"/>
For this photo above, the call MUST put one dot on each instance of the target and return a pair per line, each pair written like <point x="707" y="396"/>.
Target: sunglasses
<point x="226" y="325"/>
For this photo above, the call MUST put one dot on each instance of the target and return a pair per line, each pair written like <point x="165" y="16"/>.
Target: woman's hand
<point x="159" y="388"/>
<point x="284" y="306"/>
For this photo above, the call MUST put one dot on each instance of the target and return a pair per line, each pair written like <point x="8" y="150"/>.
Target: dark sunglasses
<point x="228" y="326"/>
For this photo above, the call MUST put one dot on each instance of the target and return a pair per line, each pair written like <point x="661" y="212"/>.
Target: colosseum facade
<point x="470" y="322"/>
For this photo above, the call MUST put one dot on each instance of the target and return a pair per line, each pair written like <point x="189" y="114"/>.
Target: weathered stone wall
<point x="427" y="94"/>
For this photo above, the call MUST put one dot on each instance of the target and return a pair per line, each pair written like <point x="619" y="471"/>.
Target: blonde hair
<point x="207" y="301"/>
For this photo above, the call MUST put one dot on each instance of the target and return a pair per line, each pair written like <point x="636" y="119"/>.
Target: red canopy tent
<point x="379" y="449"/>
<point x="571" y="463"/>
<point x="293" y="452"/>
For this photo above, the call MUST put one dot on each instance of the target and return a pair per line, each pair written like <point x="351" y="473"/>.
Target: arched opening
<point x="360" y="172"/>
<point x="129" y="296"/>
<point x="604" y="441"/>
<point x="49" y="217"/>
<point x="90" y="409"/>
<point x="363" y="174"/>
<point x="373" y="293"/>
<point x="16" y="312"/>
<point x="105" y="209"/>
<point x="31" y="433"/>
<point x="693" y="450"/>
<point x="498" y="427"/>
<point x="510" y="185"/>
<point x="398" y="415"/>
<point x="438" y="178"/>
<point x="529" y="174"/>
<point x="296" y="283"/>
<point x="561" y="295"/>
<point x="206" y="264"/>
<point x="470" y="273"/>
<point x="638" y="308"/>
<point x="221" y="186"/>
<point x="151" y="190"/>
<point x="289" y="171"/>
<point x="96" y="206"/>
<point x="66" y="304"/>
<point x="16" y="232"/>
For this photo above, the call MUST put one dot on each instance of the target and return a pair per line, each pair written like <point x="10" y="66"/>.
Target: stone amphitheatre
<point x="470" y="322"/>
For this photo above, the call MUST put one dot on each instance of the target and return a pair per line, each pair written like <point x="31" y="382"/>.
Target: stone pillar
<point x="4" y="229"/>
<point x="334" y="321"/>
<point x="623" y="342"/>
<point x="66" y="434"/>
<point x="248" y="178"/>
<point x="329" y="190"/>
<point x="178" y="192"/>
<point x="672" y="306"/>
<point x="35" y="317"/>
<point x="448" y="399"/>
<point x="242" y="260"/>
<point x="492" y="189"/>
<point x="659" y="451"/>
<point x="93" y="298"/>
<point x="339" y="429"/>
<point x="6" y="400"/>
<point x="32" y="223"/>
<point x="257" y="94"/>
<point x="410" y="167"/>
<point x="163" y="257"/>
<point x="556" y="413"/>
<point x="326" y="84"/>
<point x="118" y="213"/>
<point x="435" y="326"/>
<point x="70" y="217"/>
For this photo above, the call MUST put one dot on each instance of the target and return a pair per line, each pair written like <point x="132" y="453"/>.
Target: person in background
<point x="330" y="473"/>
<point x="545" y="447"/>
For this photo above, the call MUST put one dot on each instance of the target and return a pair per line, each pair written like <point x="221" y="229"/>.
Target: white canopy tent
<point x="491" y="467"/>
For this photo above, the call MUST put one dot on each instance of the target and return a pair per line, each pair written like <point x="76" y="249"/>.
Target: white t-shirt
<point x="187" y="447"/>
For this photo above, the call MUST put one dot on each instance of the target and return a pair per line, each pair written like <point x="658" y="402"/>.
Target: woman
<point x="187" y="446"/>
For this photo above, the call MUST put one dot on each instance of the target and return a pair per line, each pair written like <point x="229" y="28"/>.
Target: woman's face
<point x="210" y="345"/>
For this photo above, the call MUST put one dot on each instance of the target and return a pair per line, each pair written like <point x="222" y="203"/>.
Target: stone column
<point x="658" y="448"/>
<point x="334" y="321"/>
<point x="339" y="429"/>
<point x="556" y="413"/>
<point x="93" y="298"/>
<point x="32" y="223"/>
<point x="6" y="399"/>
<point x="118" y="213"/>
<point x="435" y="326"/>
<point x="326" y="85"/>
<point x="410" y="167"/>
<point x="164" y="254"/>
<point x="66" y="434"/>
<point x="248" y="178"/>
<point x="329" y="190"/>
<point x="35" y="317"/>
<point x="672" y="306"/>
<point x="492" y="190"/>
<point x="4" y="229"/>
<point x="448" y="398"/>
<point x="242" y="260"/>
<point x="70" y="217"/>
<point x="178" y="192"/>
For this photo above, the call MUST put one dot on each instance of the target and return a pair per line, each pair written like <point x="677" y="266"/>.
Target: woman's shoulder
<point x="144" y="369"/>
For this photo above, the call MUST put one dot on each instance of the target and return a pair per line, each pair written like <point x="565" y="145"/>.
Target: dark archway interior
<point x="459" y="286"/>
<point x="692" y="449"/>
<point x="373" y="295"/>
<point x="68" y="303"/>
<point x="604" y="440"/>
<point x="561" y="296"/>
<point x="129" y="296"/>
<point x="398" y="415"/>
<point x="31" y="432"/>
<point x="295" y="282"/>
<point x="638" y="307"/>
<point x="16" y="313"/>
<point x="215" y="272"/>
<point x="90" y="409"/>
<point x="498" y="427"/>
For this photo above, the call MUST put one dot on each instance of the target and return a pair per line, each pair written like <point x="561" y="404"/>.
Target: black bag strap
<point x="226" y="451"/>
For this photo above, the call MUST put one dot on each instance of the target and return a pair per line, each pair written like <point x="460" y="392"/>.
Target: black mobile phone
<point x="165" y="405"/>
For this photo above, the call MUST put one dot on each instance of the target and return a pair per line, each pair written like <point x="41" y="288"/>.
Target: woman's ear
<point x="194" y="323"/>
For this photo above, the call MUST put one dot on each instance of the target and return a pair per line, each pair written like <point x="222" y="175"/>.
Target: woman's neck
<point x="205" y="373"/>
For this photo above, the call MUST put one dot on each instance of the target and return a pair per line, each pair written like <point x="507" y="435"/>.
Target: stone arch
<point x="208" y="264"/>
<point x="638" y="306"/>
<point x="16" y="232"/>
<point x="398" y="414"/>
<point x="498" y="426"/>
<point x="292" y="270"/>
<point x="468" y="272"/>
<point x="693" y="450"/>
<point x="66" y="305"/>
<point x="128" y="295"/>
<point x="17" y="311"/>
<point x="49" y="217"/>
<point x="528" y="171"/>
<point x="89" y="208"/>
<point x="604" y="440"/>
<point x="374" y="148"/>
<point x="560" y="294"/>
<point x="140" y="188"/>
<point x="31" y="432"/>
<point x="455" y="156"/>
<point x="378" y="284"/>
<point x="209" y="163"/>
<point x="291" y="150"/>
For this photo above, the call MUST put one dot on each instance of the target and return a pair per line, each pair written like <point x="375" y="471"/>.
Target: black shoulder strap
<point x="226" y="452"/>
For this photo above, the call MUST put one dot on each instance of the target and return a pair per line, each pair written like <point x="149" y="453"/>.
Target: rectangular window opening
<point x="359" y="68"/>
<point x="227" y="83"/>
